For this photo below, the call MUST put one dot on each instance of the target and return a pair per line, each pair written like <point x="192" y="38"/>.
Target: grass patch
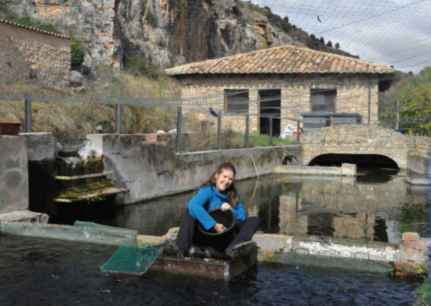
<point x="69" y="114"/>
<point x="201" y="139"/>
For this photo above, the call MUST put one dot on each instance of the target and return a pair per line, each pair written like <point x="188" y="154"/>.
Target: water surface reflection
<point x="375" y="206"/>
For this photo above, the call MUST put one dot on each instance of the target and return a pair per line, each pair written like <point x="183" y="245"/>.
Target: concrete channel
<point x="169" y="173"/>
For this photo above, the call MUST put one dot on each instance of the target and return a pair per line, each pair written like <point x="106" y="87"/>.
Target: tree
<point x="413" y="96"/>
<point x="337" y="45"/>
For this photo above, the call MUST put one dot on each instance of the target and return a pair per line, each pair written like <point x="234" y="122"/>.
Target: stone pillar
<point x="254" y="110"/>
<point x="294" y="101"/>
<point x="374" y="101"/>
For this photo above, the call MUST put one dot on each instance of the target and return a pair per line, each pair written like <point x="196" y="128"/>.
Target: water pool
<point x="42" y="272"/>
<point x="373" y="207"/>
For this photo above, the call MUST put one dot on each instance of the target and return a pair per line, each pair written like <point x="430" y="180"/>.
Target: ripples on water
<point x="35" y="272"/>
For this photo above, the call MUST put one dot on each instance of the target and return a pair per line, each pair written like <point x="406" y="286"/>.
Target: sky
<point x="394" y="32"/>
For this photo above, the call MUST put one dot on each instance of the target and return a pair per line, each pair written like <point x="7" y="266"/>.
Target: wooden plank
<point x="81" y="177"/>
<point x="206" y="267"/>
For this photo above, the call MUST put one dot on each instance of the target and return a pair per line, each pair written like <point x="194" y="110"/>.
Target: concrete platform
<point x="344" y="170"/>
<point x="419" y="181"/>
<point x="24" y="216"/>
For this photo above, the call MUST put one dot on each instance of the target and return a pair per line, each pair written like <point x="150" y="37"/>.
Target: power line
<point x="398" y="8"/>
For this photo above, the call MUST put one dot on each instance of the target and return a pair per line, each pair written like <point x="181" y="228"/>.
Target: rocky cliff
<point x="162" y="33"/>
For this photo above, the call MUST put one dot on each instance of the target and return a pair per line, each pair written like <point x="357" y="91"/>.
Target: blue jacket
<point x="207" y="199"/>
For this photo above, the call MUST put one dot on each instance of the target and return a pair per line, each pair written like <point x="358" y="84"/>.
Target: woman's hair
<point x="231" y="191"/>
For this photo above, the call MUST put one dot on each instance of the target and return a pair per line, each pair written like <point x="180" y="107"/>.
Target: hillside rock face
<point x="169" y="32"/>
<point x="163" y="33"/>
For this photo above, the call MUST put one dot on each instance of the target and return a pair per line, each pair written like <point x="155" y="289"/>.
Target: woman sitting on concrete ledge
<point x="217" y="193"/>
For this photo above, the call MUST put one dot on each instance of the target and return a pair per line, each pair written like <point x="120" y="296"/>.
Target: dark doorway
<point x="371" y="168"/>
<point x="270" y="105"/>
<point x="360" y="160"/>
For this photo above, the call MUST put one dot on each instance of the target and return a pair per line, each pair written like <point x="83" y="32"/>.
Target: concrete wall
<point x="30" y="54"/>
<point x="353" y="95"/>
<point x="153" y="170"/>
<point x="420" y="165"/>
<point x="14" y="187"/>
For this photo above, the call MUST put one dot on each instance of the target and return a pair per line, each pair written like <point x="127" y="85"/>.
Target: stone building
<point x="30" y="53"/>
<point x="283" y="83"/>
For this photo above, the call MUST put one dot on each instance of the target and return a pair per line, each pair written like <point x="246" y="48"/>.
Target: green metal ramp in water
<point x="128" y="259"/>
<point x="131" y="260"/>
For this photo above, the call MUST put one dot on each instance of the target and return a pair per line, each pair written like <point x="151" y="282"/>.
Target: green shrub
<point x="138" y="65"/>
<point x="152" y="19"/>
<point x="259" y="140"/>
<point x="424" y="295"/>
<point x="77" y="53"/>
<point x="31" y="22"/>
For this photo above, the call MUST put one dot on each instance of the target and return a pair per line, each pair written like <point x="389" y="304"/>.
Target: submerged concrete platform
<point x="344" y="170"/>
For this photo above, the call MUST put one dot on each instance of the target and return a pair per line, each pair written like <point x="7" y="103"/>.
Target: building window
<point x="236" y="101"/>
<point x="323" y="100"/>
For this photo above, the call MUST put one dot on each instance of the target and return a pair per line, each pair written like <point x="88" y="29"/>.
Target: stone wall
<point x="14" y="187"/>
<point x="419" y="156"/>
<point x="153" y="170"/>
<point x="27" y="54"/>
<point x="354" y="94"/>
<point x="356" y="139"/>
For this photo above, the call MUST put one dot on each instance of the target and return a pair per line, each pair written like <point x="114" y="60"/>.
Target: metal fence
<point x="194" y="127"/>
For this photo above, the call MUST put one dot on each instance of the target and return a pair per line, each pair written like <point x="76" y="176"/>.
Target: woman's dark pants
<point x="190" y="235"/>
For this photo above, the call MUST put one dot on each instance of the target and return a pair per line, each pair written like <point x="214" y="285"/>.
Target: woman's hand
<point x="219" y="228"/>
<point x="225" y="206"/>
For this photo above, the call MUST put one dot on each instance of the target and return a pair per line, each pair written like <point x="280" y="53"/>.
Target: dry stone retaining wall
<point x="27" y="54"/>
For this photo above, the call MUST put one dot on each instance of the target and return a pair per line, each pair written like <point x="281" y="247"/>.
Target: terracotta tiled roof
<point x="33" y="29"/>
<point x="286" y="59"/>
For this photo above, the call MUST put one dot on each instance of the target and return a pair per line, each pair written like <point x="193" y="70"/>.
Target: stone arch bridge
<point x="408" y="152"/>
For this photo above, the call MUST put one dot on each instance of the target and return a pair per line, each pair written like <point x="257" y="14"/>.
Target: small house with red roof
<point x="282" y="85"/>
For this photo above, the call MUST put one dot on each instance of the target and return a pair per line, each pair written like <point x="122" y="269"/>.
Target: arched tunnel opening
<point x="365" y="163"/>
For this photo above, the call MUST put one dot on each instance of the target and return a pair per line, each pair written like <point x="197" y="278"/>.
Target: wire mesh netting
<point x="228" y="120"/>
